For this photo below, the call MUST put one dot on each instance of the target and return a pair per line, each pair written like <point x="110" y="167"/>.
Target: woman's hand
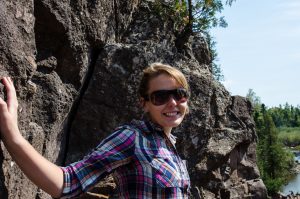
<point x="9" y="111"/>
<point x="43" y="173"/>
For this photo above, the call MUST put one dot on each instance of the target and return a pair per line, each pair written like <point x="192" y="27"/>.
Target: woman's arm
<point x="39" y="170"/>
<point x="114" y="151"/>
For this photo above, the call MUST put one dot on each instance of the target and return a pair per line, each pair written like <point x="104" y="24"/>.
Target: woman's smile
<point x="172" y="114"/>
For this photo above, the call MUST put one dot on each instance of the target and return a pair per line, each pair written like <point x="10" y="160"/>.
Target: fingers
<point x="12" y="102"/>
<point x="8" y="83"/>
<point x="3" y="105"/>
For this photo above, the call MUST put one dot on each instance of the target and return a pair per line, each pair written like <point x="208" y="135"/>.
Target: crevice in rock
<point x="116" y="21"/>
<point x="52" y="41"/>
<point x="234" y="117"/>
<point x="214" y="109"/>
<point x="94" y="54"/>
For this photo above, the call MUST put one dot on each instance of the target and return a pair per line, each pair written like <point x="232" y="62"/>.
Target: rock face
<point x="76" y="66"/>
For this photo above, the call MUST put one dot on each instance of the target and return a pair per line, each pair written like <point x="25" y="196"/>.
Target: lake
<point x="294" y="184"/>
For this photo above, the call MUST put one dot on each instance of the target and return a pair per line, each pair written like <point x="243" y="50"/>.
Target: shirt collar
<point x="148" y="126"/>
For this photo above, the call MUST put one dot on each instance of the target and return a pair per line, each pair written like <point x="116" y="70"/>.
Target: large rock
<point x="77" y="65"/>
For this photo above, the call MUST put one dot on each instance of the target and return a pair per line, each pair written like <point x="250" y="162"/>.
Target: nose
<point x="172" y="101"/>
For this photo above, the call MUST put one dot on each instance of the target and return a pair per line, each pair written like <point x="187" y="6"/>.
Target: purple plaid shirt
<point x="143" y="161"/>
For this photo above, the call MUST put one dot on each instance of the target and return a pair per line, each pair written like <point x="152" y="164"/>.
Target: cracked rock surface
<point x="76" y="66"/>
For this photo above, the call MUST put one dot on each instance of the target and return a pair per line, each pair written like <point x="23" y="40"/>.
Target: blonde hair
<point x="157" y="69"/>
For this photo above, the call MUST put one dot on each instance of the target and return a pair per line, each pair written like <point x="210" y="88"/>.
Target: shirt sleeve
<point x="114" y="151"/>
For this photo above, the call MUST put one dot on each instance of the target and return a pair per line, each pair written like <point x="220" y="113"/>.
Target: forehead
<point x="163" y="82"/>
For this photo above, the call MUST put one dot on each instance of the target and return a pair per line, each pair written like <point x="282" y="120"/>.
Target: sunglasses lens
<point x="180" y="95"/>
<point x="161" y="97"/>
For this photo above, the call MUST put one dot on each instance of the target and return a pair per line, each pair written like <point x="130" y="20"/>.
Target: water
<point x="294" y="184"/>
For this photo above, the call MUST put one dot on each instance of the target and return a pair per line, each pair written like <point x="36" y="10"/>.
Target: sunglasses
<point x="161" y="97"/>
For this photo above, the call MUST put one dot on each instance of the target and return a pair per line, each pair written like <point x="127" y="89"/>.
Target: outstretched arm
<point x="39" y="170"/>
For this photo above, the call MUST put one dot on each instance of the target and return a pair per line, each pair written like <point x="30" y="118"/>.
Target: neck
<point x="167" y="131"/>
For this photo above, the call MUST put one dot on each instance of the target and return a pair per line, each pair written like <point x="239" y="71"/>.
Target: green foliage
<point x="205" y="15"/>
<point x="289" y="136"/>
<point x="253" y="98"/>
<point x="273" y="185"/>
<point x="276" y="127"/>
<point x="297" y="148"/>
<point x="274" y="161"/>
<point x="286" y="115"/>
<point x="176" y="11"/>
<point x="216" y="68"/>
<point x="217" y="72"/>
<point x="180" y="15"/>
<point x="201" y="15"/>
<point x="195" y="17"/>
<point x="283" y="115"/>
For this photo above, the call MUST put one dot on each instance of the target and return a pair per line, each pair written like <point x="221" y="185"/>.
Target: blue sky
<point x="260" y="49"/>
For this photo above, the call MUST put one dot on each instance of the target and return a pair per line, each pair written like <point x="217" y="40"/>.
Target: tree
<point x="273" y="160"/>
<point x="216" y="68"/>
<point x="253" y="98"/>
<point x="197" y="17"/>
<point x="285" y="116"/>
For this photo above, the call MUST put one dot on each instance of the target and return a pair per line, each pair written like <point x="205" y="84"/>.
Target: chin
<point x="173" y="123"/>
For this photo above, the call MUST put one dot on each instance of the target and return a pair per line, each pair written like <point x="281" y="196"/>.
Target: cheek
<point x="155" y="115"/>
<point x="184" y="107"/>
<point x="147" y="107"/>
<point x="153" y="110"/>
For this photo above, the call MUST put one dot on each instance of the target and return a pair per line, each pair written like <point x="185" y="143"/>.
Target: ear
<point x="143" y="104"/>
<point x="187" y="110"/>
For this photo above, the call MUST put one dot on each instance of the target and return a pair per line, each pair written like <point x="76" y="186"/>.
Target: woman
<point x="141" y="155"/>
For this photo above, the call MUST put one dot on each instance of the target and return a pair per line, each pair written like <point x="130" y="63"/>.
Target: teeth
<point x="171" y="114"/>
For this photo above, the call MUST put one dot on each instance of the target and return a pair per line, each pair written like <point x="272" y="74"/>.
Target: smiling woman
<point x="140" y="155"/>
<point x="164" y="93"/>
<point x="168" y="104"/>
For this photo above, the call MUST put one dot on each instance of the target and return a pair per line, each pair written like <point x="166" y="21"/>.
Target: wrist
<point x="12" y="137"/>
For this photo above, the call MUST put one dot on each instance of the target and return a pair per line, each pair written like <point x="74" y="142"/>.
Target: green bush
<point x="289" y="136"/>
<point x="273" y="185"/>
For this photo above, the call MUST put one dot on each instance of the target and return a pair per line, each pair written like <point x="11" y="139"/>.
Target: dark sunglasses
<point x="161" y="97"/>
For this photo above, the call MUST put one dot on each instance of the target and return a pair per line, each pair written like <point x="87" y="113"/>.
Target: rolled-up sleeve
<point x="113" y="152"/>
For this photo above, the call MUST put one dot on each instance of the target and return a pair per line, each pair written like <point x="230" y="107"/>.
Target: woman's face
<point x="171" y="113"/>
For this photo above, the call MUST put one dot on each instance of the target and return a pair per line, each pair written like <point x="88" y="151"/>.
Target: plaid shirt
<point x="142" y="159"/>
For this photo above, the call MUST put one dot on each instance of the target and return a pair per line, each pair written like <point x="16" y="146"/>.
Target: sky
<point x="260" y="50"/>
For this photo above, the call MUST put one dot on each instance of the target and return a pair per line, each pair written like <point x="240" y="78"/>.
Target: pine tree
<point x="274" y="161"/>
